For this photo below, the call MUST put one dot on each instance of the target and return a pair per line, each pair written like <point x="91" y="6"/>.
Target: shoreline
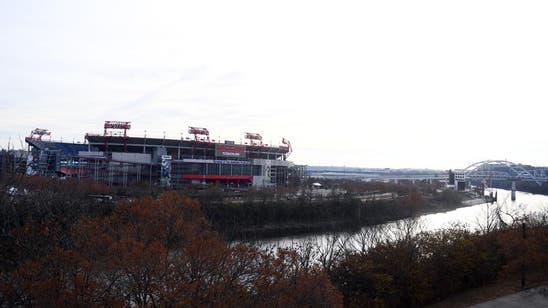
<point x="276" y="230"/>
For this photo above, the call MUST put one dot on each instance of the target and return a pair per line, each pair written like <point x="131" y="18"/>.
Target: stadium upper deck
<point x="181" y="149"/>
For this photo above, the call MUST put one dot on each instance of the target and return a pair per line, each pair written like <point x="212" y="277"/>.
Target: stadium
<point x="116" y="158"/>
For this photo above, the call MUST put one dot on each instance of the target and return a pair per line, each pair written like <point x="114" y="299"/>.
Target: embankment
<point x="258" y="220"/>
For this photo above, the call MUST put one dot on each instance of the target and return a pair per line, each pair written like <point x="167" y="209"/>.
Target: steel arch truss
<point x="503" y="170"/>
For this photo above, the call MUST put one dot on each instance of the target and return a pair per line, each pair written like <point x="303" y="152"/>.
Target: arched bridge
<point x="505" y="170"/>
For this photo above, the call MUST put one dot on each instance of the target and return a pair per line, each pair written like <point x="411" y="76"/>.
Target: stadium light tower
<point x="199" y="131"/>
<point x="116" y="125"/>
<point x="37" y="133"/>
<point x="254" y="138"/>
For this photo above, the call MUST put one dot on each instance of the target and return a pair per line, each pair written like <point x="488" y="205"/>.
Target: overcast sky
<point x="422" y="84"/>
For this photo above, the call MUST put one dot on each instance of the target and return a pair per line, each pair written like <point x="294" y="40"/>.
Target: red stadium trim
<point x="216" y="177"/>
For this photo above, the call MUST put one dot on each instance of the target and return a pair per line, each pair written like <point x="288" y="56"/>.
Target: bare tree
<point x="331" y="249"/>
<point x="366" y="238"/>
<point x="490" y="219"/>
<point x="405" y="229"/>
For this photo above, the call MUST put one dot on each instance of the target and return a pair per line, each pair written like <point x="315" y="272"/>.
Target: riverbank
<point x="367" y="214"/>
<point x="434" y="208"/>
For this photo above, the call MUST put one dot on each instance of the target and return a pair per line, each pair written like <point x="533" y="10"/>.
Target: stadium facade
<point x="116" y="158"/>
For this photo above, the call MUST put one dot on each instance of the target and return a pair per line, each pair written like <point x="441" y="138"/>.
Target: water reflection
<point x="476" y="217"/>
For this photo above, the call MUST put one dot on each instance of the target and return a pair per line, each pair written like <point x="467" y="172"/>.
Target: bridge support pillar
<point x="513" y="196"/>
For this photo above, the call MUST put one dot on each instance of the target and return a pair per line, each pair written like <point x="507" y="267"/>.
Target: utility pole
<point x="523" y="266"/>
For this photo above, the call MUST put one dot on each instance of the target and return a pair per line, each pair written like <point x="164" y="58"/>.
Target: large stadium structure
<point x="116" y="158"/>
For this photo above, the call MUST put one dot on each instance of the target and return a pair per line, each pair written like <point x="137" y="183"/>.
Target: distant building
<point x="460" y="180"/>
<point x="120" y="159"/>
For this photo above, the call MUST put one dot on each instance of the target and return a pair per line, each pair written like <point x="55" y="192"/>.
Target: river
<point x="474" y="217"/>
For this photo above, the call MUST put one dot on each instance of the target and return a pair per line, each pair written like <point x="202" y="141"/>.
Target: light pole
<point x="145" y="142"/>
<point x="180" y="145"/>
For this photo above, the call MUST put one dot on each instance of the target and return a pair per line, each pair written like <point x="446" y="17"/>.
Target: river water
<point x="475" y="217"/>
